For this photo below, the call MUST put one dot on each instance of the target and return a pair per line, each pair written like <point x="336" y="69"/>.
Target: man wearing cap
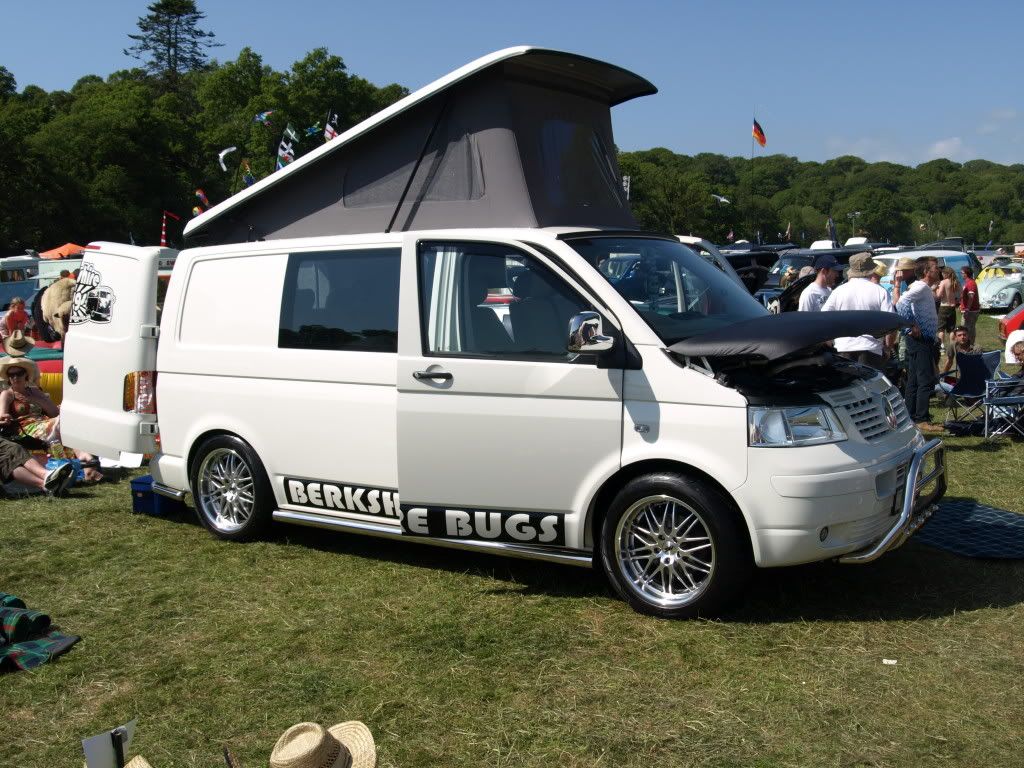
<point x="861" y="293"/>
<point x="916" y="305"/>
<point x="815" y="294"/>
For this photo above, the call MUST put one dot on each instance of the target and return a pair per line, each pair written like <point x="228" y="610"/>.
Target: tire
<point x="1015" y="302"/>
<point x="652" y="516"/>
<point x="233" y="497"/>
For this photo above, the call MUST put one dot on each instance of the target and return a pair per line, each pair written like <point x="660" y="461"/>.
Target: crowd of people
<point x="926" y="297"/>
<point x="29" y="418"/>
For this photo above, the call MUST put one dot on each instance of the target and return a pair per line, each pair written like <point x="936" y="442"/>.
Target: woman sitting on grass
<point x="28" y="413"/>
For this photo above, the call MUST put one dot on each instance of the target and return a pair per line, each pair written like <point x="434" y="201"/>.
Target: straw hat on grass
<point x="310" y="745"/>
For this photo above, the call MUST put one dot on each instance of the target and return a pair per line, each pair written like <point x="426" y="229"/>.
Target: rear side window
<point x="343" y="300"/>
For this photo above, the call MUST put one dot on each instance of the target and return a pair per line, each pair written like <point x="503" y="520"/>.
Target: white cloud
<point x="952" y="148"/>
<point x="996" y="120"/>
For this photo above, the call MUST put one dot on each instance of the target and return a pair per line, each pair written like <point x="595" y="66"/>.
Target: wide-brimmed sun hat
<point x="907" y="262"/>
<point x="18" y="344"/>
<point x="27" y="363"/>
<point x="310" y="745"/>
<point x="861" y="265"/>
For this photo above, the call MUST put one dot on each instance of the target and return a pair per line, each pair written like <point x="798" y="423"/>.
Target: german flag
<point x="758" y="134"/>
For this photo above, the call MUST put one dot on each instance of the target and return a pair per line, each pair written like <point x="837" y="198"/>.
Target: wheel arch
<point x="193" y="449"/>
<point x="602" y="499"/>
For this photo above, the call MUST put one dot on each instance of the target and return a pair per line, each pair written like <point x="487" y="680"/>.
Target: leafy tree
<point x="170" y="41"/>
<point x="8" y="85"/>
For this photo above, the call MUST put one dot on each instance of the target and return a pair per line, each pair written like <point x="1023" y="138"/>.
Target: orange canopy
<point x="68" y="249"/>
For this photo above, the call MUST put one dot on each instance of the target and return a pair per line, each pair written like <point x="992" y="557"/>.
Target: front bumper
<point x="916" y="508"/>
<point x="852" y="506"/>
<point x="993" y="304"/>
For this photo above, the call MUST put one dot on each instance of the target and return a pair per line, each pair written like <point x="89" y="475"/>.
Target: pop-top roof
<point x="520" y="137"/>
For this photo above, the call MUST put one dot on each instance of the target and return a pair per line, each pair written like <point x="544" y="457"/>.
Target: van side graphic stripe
<point x="484" y="525"/>
<point x="319" y="494"/>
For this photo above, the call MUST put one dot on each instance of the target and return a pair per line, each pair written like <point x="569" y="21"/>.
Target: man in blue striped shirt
<point x="916" y="305"/>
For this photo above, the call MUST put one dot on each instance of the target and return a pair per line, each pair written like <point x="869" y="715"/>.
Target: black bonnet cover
<point x="772" y="337"/>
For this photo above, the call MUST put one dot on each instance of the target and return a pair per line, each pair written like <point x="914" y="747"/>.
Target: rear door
<point x="109" y="403"/>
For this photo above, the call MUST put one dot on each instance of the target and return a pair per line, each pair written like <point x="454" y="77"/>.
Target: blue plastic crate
<point x="143" y="498"/>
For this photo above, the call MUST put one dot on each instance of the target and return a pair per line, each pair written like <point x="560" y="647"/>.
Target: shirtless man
<point x="947" y="294"/>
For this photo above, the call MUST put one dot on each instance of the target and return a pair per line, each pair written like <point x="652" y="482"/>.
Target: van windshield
<point x="674" y="290"/>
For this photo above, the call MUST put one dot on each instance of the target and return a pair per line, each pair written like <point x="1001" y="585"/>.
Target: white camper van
<point x="382" y="356"/>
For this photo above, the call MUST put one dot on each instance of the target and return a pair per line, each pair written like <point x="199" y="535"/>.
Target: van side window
<point x="343" y="300"/>
<point x="488" y="300"/>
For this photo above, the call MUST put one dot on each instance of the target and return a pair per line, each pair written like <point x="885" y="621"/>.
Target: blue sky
<point x="904" y="81"/>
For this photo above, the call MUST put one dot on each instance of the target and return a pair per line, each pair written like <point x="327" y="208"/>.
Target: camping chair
<point x="966" y="399"/>
<point x="1004" y="408"/>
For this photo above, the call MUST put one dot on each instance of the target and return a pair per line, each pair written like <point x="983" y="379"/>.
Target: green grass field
<point x="462" y="660"/>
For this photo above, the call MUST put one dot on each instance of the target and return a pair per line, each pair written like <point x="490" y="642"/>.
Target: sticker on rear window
<point x="92" y="301"/>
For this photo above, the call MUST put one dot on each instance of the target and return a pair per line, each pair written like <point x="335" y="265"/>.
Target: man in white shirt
<point x="815" y="294"/>
<point x="861" y="293"/>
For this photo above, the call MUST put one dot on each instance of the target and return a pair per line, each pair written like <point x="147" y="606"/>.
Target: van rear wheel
<point x="229" y="485"/>
<point x="672" y="547"/>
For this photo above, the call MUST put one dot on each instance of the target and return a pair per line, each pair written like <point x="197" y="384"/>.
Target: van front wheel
<point x="229" y="485"/>
<point x="672" y="547"/>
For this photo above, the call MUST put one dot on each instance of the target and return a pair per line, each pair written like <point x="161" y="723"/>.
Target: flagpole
<point x="750" y="195"/>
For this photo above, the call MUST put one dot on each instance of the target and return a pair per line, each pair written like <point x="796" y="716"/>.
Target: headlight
<point x="1003" y="295"/>
<point x="782" y="427"/>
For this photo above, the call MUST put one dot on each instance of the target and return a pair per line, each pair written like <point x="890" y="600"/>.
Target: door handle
<point x="438" y="375"/>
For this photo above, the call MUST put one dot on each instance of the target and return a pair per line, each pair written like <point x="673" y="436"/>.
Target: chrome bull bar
<point x="916" y="510"/>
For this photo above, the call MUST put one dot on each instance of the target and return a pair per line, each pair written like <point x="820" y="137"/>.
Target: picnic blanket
<point x="26" y="640"/>
<point x="967" y="528"/>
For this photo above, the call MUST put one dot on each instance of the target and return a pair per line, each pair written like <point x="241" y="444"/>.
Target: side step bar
<point x="524" y="551"/>
<point x="170" y="493"/>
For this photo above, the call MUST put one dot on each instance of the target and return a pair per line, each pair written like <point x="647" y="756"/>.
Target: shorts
<point x="947" y="318"/>
<point x="12" y="456"/>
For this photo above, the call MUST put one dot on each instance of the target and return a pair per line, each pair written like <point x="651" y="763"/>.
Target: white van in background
<point x="653" y="419"/>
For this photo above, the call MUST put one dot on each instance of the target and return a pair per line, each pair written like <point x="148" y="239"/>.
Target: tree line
<point x="103" y="160"/>
<point x="978" y="200"/>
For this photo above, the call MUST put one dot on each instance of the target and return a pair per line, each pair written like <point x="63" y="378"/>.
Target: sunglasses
<point x="16" y="374"/>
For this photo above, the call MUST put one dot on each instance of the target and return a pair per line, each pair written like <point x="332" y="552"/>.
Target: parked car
<point x="752" y="262"/>
<point x="1013" y="321"/>
<point x="1003" y="291"/>
<point x="710" y="252"/>
<point x="654" y="419"/>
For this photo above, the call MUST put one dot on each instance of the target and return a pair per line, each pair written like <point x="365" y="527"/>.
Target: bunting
<point x="286" y="149"/>
<point x="247" y="178"/>
<point x="331" y="126"/>
<point x="222" y="154"/>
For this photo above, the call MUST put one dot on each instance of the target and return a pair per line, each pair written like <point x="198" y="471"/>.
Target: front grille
<point x="869" y="416"/>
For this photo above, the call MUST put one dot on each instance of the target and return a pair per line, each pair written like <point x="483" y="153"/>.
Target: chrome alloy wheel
<point x="226" y="496"/>
<point x="664" y="551"/>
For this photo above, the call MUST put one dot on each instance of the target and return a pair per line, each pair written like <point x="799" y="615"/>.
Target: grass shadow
<point x="522" y="577"/>
<point x="914" y="582"/>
